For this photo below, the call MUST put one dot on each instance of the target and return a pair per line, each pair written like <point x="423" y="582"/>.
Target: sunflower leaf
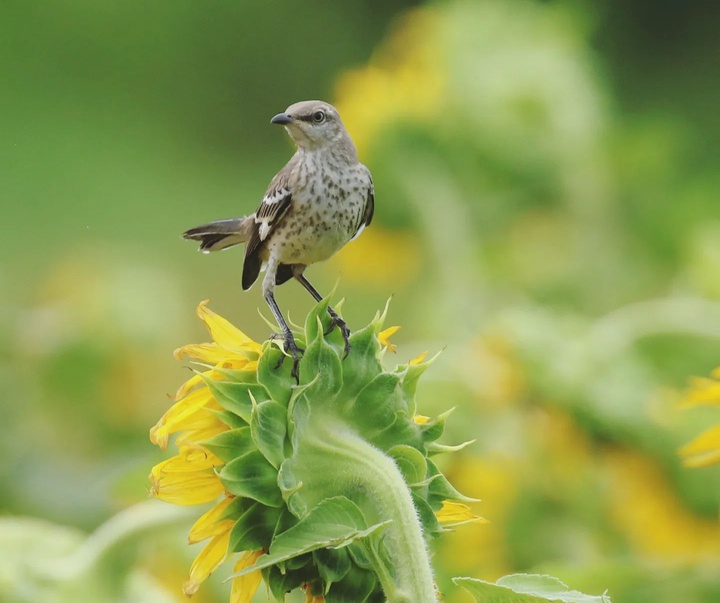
<point x="525" y="588"/>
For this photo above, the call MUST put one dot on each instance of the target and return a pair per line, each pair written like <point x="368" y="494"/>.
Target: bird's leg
<point x="336" y="321"/>
<point x="290" y="345"/>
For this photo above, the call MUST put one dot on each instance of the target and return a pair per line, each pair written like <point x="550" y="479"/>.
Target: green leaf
<point x="231" y="444"/>
<point x="269" y="426"/>
<point x="332" y="564"/>
<point x="411" y="463"/>
<point x="334" y="522"/>
<point x="276" y="379"/>
<point x="525" y="588"/>
<point x="357" y="586"/>
<point x="236" y="397"/>
<point x="254" y="477"/>
<point x="254" y="528"/>
<point x="321" y="359"/>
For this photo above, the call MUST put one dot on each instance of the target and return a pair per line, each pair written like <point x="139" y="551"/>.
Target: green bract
<point x="332" y="476"/>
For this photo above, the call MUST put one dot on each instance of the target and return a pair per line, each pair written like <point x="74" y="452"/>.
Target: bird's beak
<point x="282" y="118"/>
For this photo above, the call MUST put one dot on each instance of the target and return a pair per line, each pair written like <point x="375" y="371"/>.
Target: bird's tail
<point x="221" y="234"/>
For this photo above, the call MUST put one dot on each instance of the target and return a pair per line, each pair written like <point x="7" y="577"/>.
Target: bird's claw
<point x="336" y="321"/>
<point x="291" y="348"/>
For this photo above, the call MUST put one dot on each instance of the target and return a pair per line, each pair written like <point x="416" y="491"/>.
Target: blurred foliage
<point x="546" y="179"/>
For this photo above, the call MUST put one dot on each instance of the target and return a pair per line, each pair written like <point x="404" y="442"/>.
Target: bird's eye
<point x="318" y="117"/>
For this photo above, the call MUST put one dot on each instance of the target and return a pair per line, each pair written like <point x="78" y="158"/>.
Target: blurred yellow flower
<point x="402" y="82"/>
<point x="704" y="450"/>
<point x="645" y="508"/>
<point x="367" y="260"/>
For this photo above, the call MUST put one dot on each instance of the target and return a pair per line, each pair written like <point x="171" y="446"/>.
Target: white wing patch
<point x="263" y="229"/>
<point x="276" y="196"/>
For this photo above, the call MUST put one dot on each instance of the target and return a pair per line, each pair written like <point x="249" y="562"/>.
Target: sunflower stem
<point x="354" y="468"/>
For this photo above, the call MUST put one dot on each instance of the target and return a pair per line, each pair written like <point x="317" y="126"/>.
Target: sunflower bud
<point x="326" y="485"/>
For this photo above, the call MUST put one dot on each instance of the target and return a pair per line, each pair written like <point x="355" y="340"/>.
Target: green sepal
<point x="321" y="359"/>
<point x="356" y="587"/>
<point x="374" y="408"/>
<point x="358" y="553"/>
<point x="237" y="375"/>
<point x="435" y="448"/>
<point x="254" y="528"/>
<point x="230" y="419"/>
<point x="269" y="427"/>
<point x="237" y="397"/>
<point x="230" y="444"/>
<point x="411" y="463"/>
<point x="440" y="488"/>
<point x="317" y="322"/>
<point x="434" y="429"/>
<point x="282" y="582"/>
<point x="525" y="588"/>
<point x="237" y="508"/>
<point x="431" y="526"/>
<point x="362" y="363"/>
<point x="333" y="522"/>
<point x="277" y="380"/>
<point x="332" y="564"/>
<point x="254" y="477"/>
<point x="411" y="374"/>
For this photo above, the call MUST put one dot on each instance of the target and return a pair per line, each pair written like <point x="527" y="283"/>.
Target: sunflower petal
<point x="454" y="513"/>
<point x="225" y="334"/>
<point x="212" y="555"/>
<point x="244" y="587"/>
<point x="211" y="523"/>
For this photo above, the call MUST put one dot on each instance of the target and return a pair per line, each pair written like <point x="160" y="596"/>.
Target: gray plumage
<point x="317" y="203"/>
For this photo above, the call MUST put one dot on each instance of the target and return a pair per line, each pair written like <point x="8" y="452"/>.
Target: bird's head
<point x="313" y="125"/>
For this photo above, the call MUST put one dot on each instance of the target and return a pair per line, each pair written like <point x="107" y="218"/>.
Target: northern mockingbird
<point x="322" y="199"/>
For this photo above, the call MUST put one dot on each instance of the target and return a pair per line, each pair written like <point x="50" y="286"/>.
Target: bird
<point x="319" y="201"/>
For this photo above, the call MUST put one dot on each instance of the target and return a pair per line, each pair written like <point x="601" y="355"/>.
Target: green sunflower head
<point x="316" y="485"/>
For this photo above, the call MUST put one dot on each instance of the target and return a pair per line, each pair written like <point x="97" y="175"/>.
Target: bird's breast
<point x="324" y="215"/>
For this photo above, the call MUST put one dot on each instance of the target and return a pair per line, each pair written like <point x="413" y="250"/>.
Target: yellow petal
<point x="244" y="587"/>
<point x="187" y="491"/>
<point x="192" y="438"/>
<point x="421" y="420"/>
<point x="419" y="359"/>
<point x="184" y="414"/>
<point x="384" y="338"/>
<point x="703" y="450"/>
<point x="212" y="523"/>
<point x="206" y="562"/>
<point x="224" y="333"/>
<point x="456" y="513"/>
<point x="209" y="353"/>
<point x="187" y="479"/>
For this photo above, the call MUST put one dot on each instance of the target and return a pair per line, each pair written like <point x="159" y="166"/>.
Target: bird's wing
<point x="273" y="207"/>
<point x="367" y="215"/>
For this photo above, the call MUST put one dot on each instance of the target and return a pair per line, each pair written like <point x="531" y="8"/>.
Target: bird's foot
<point x="291" y="348"/>
<point x="336" y="321"/>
